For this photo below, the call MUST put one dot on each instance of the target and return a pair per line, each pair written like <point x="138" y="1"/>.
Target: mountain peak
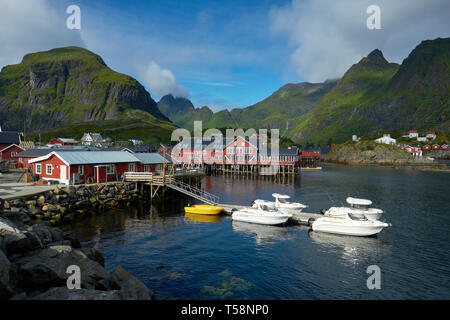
<point x="376" y="54"/>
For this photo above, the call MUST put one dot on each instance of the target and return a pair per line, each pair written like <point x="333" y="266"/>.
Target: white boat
<point x="348" y="224"/>
<point x="262" y="212"/>
<point x="283" y="203"/>
<point x="358" y="208"/>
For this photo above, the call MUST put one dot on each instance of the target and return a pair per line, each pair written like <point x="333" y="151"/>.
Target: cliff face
<point x="69" y="85"/>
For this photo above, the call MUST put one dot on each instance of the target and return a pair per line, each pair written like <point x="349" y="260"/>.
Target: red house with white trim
<point x="70" y="167"/>
<point x="436" y="147"/>
<point x="426" y="147"/>
<point x="444" y="147"/>
<point x="59" y="142"/>
<point x="9" y="152"/>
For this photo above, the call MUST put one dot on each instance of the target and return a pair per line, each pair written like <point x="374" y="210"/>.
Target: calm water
<point x="182" y="258"/>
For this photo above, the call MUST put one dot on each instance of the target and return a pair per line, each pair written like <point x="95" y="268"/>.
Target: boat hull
<point x="351" y="229"/>
<point x="260" y="219"/>
<point x="203" y="209"/>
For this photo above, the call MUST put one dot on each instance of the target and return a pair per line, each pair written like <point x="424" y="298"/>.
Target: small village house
<point x="431" y="135"/>
<point x="386" y="139"/>
<point x="413" y="134"/>
<point x="95" y="139"/>
<point x="23" y="158"/>
<point x="70" y="167"/>
<point x="10" y="144"/>
<point x="59" y="142"/>
<point x="436" y="146"/>
<point x="426" y="147"/>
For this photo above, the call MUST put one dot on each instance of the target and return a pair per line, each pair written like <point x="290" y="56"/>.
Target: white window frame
<point x="81" y="169"/>
<point x="46" y="169"/>
<point x="130" y="166"/>
<point x="110" y="169"/>
<point x="38" y="168"/>
<point x="13" y="154"/>
<point x="147" y="168"/>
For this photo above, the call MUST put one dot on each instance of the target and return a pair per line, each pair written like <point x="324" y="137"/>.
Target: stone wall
<point x="62" y="205"/>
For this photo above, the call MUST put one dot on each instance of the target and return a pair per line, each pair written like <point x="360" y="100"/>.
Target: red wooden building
<point x="59" y="142"/>
<point x="9" y="152"/>
<point x="70" y="167"/>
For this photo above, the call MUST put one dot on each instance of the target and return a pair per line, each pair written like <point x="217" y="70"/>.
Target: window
<point x="110" y="169"/>
<point x="230" y="150"/>
<point x="147" y="168"/>
<point x="13" y="154"/>
<point x="48" y="169"/>
<point x="131" y="167"/>
<point x="38" y="168"/>
<point x="81" y="169"/>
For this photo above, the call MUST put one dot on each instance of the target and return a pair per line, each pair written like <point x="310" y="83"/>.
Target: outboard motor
<point x="323" y="211"/>
<point x="311" y="221"/>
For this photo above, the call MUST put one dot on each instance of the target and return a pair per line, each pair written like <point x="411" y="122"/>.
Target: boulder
<point x="130" y="287"/>
<point x="94" y="254"/>
<point x="5" y="266"/>
<point x="15" y="240"/>
<point x="63" y="293"/>
<point x="45" y="268"/>
<point x="48" y="207"/>
<point x="46" y="234"/>
<point x="40" y="201"/>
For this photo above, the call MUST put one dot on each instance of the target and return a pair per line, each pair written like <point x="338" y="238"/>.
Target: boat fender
<point x="311" y="221"/>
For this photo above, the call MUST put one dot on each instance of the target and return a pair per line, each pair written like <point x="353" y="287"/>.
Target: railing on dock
<point x="194" y="192"/>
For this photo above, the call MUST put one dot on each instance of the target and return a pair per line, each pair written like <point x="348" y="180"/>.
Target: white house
<point x="355" y="138"/>
<point x="413" y="134"/>
<point x="386" y="139"/>
<point x="95" y="139"/>
<point x="422" y="139"/>
<point x="431" y="135"/>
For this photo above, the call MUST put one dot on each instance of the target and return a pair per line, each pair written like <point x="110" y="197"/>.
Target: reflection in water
<point x="208" y="218"/>
<point x="263" y="233"/>
<point x="354" y="249"/>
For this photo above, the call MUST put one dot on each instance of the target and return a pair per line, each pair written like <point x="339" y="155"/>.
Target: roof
<point x="150" y="158"/>
<point x="11" y="145"/>
<point x="10" y="137"/>
<point x="280" y="196"/>
<point x="90" y="157"/>
<point x="34" y="153"/>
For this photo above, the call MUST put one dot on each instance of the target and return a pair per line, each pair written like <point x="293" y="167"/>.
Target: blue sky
<point x="223" y="54"/>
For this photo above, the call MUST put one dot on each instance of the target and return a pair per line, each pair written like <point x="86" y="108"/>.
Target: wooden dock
<point x="297" y="217"/>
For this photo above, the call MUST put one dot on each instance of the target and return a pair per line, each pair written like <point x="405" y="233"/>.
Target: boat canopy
<point x="280" y="196"/>
<point x="356" y="201"/>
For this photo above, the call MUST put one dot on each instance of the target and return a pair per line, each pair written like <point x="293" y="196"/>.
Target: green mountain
<point x="182" y="112"/>
<point x="372" y="96"/>
<point x="286" y="105"/>
<point x="73" y="87"/>
<point x="375" y="95"/>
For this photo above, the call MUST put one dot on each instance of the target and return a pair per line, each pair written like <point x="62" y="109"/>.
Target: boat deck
<point x="298" y="217"/>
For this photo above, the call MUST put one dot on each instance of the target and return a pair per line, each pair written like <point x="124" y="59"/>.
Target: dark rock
<point x="75" y="243"/>
<point x="130" y="287"/>
<point x="94" y="254"/>
<point x="45" y="268"/>
<point x="5" y="266"/>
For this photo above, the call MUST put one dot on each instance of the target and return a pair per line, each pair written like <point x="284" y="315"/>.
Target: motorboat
<point x="203" y="209"/>
<point x="283" y="203"/>
<point x="348" y="224"/>
<point x="262" y="212"/>
<point x="358" y="208"/>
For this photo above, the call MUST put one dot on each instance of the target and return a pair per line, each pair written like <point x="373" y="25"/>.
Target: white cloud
<point x="161" y="81"/>
<point x="328" y="36"/>
<point x="30" y="26"/>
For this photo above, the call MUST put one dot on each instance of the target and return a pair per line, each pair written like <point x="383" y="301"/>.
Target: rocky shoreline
<point x="371" y="153"/>
<point x="35" y="255"/>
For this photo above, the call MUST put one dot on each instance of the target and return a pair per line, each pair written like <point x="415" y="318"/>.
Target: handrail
<point x="193" y="191"/>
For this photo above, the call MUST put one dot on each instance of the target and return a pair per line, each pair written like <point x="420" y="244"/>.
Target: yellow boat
<point x="203" y="209"/>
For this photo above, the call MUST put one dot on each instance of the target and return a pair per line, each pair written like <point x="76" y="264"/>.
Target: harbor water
<point x="191" y="257"/>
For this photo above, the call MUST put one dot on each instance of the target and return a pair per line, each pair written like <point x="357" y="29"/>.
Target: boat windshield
<point x="286" y="201"/>
<point x="360" y="206"/>
<point x="353" y="217"/>
<point x="266" y="208"/>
